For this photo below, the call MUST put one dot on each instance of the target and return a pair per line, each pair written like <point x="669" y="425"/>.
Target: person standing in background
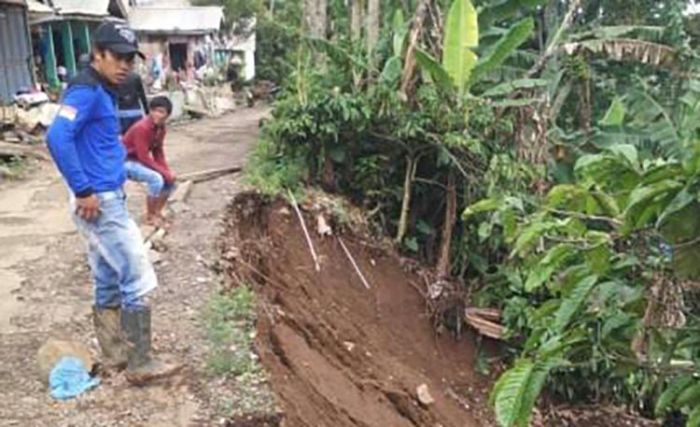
<point x="156" y="71"/>
<point x="132" y="101"/>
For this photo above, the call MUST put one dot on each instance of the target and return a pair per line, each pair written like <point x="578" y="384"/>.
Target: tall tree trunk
<point x="357" y="12"/>
<point x="413" y="39"/>
<point x="322" y="17"/>
<point x="356" y="15"/>
<point x="372" y="25"/>
<point x="315" y="17"/>
<point x="585" y="108"/>
<point x="443" y="264"/>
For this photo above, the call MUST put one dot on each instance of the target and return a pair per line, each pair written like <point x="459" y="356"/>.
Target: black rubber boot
<point x="110" y="337"/>
<point x="142" y="367"/>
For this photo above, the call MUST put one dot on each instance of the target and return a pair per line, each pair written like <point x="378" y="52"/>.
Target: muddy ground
<point x="340" y="354"/>
<point x="45" y="289"/>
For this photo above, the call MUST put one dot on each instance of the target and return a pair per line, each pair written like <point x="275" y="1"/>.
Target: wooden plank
<point x="209" y="174"/>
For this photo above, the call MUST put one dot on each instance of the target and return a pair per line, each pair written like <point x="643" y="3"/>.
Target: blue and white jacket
<point x="84" y="137"/>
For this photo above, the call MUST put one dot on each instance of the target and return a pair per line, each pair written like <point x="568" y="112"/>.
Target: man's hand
<point x="170" y="178"/>
<point x="88" y="208"/>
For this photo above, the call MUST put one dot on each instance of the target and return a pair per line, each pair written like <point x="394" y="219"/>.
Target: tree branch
<point x="612" y="221"/>
<point x="556" y="39"/>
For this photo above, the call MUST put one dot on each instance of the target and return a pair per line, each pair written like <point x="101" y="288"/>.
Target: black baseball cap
<point x="118" y="38"/>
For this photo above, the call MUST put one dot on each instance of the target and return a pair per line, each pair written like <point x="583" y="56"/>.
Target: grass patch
<point x="230" y="320"/>
<point x="14" y="168"/>
<point x="230" y="325"/>
<point x="271" y="171"/>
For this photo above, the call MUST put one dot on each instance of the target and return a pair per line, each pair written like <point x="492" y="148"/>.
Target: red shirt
<point x="144" y="144"/>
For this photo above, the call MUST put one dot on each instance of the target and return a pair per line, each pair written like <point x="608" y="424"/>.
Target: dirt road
<point x="45" y="288"/>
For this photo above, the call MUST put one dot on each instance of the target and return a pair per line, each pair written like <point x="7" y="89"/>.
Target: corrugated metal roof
<point x="14" y="2"/>
<point x="176" y="20"/>
<point x="15" y="52"/>
<point x="81" y="7"/>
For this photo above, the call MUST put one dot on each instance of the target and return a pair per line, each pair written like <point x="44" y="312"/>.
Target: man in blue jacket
<point x="84" y="143"/>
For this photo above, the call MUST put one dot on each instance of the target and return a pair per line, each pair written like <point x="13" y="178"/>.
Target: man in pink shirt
<point x="146" y="158"/>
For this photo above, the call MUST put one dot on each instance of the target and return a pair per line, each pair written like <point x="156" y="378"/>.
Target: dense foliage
<point x="541" y="154"/>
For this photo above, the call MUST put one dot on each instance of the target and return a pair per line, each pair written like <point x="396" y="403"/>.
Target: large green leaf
<point x="461" y="34"/>
<point x="644" y="194"/>
<point x="689" y="396"/>
<point x="686" y="261"/>
<point x="550" y="263"/>
<point x="484" y="205"/>
<point x="616" y="170"/>
<point x="392" y="71"/>
<point x="589" y="161"/>
<point x="562" y="193"/>
<point x="436" y="72"/>
<point x="598" y="259"/>
<point x="683" y="199"/>
<point x="682" y="229"/>
<point x="400" y="30"/>
<point x="531" y="234"/>
<point x="538" y="378"/>
<point x="627" y="152"/>
<point x="559" y="344"/>
<point x="615" y="114"/>
<point x="516" y="391"/>
<point x="669" y="396"/>
<point x="642" y="200"/>
<point x="650" y="118"/>
<point x="516" y="35"/>
<point x="573" y="302"/>
<point x="694" y="417"/>
<point x="661" y="172"/>
<point x="608" y="204"/>
<point x="615" y="322"/>
<point x="539" y="319"/>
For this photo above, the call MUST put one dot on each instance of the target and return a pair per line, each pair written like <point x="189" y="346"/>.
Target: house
<point x="61" y="33"/>
<point x="179" y="35"/>
<point x="239" y="45"/>
<point x="16" y="68"/>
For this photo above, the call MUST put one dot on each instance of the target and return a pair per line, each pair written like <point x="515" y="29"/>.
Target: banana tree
<point x="455" y="74"/>
<point x="460" y="67"/>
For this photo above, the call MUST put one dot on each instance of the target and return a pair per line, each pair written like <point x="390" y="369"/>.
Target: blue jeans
<point x="135" y="171"/>
<point x="121" y="271"/>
